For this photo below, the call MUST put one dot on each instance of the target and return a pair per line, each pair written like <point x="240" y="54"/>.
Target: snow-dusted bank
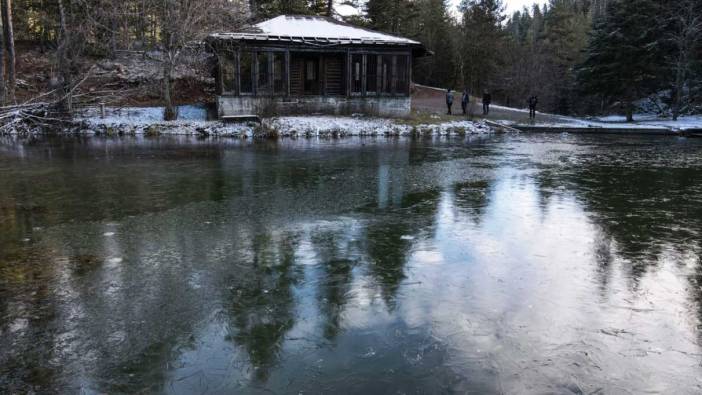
<point x="362" y="126"/>
<point x="642" y="122"/>
<point x="193" y="121"/>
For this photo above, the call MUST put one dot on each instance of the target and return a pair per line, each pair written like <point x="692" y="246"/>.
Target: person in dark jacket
<point x="449" y="100"/>
<point x="487" y="98"/>
<point x="465" y="99"/>
<point x="532" y="101"/>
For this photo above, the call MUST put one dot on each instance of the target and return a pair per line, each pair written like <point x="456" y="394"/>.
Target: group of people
<point x="465" y="100"/>
<point x="487" y="99"/>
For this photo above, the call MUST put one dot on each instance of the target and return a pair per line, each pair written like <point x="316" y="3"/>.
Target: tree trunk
<point x="2" y="69"/>
<point x="679" y="85"/>
<point x="253" y="9"/>
<point x="44" y="30"/>
<point x="10" y="47"/>
<point x="629" y="111"/>
<point x="169" y="112"/>
<point x="330" y="8"/>
<point x="64" y="63"/>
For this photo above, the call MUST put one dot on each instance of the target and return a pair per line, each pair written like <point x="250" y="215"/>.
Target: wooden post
<point x="237" y="69"/>
<point x="271" y="73"/>
<point x="393" y="79"/>
<point x="349" y="73"/>
<point x="254" y="68"/>
<point x="378" y="75"/>
<point x="364" y="64"/>
<point x="409" y="74"/>
<point x="287" y="72"/>
<point x="220" y="78"/>
<point x="322" y="75"/>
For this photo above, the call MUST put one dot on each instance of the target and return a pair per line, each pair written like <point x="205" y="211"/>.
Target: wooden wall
<point x="384" y="73"/>
<point x="334" y="75"/>
<point x="330" y="74"/>
<point x="297" y="65"/>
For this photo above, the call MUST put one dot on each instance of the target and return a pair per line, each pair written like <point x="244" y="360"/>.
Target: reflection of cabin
<point x="311" y="64"/>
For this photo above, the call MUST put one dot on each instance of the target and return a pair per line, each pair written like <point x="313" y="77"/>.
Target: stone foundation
<point x="396" y="107"/>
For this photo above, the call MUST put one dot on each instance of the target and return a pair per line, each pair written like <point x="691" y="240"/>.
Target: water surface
<point x="501" y="264"/>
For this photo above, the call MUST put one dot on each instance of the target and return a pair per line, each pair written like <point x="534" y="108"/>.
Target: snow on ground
<point x="641" y="121"/>
<point x="193" y="120"/>
<point x="149" y="120"/>
<point x="140" y="115"/>
<point x="363" y="126"/>
<point x="683" y="123"/>
<point x="512" y="116"/>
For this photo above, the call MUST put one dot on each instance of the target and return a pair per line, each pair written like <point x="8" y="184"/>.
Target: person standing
<point x="465" y="99"/>
<point x="487" y="98"/>
<point x="449" y="100"/>
<point x="533" y="101"/>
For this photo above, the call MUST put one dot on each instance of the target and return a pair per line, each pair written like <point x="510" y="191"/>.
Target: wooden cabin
<point x="312" y="64"/>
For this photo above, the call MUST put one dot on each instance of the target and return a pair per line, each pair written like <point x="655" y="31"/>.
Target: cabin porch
<point x="272" y="81"/>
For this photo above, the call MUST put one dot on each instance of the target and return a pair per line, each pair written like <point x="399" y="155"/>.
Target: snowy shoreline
<point x="641" y="122"/>
<point x="193" y="121"/>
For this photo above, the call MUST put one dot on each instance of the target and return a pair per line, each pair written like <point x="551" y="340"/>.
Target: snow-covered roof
<point x="314" y="30"/>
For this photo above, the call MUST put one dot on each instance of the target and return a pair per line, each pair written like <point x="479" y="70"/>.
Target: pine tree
<point x="682" y="23"/>
<point x="483" y="41"/>
<point x="434" y="29"/>
<point x="392" y="16"/>
<point x="564" y="38"/>
<point x="266" y="9"/>
<point x="623" y="54"/>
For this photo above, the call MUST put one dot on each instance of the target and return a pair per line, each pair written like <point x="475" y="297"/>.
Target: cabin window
<point x="356" y="78"/>
<point x="227" y="67"/>
<point x="246" y="72"/>
<point x="279" y="72"/>
<point x="263" y="81"/>
<point x="371" y="74"/>
<point x="402" y="75"/>
<point x="386" y="75"/>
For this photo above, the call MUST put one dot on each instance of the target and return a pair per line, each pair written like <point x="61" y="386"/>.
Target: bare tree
<point x="184" y="22"/>
<point x="685" y="19"/>
<point x="9" y="39"/>
<point x="2" y="69"/>
<point x="71" y="42"/>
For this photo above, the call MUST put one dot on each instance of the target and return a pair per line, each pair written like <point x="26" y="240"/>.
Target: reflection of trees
<point x="642" y="214"/>
<point x="547" y="183"/>
<point x="603" y="259"/>
<point x="643" y="210"/>
<point x="100" y="179"/>
<point x="336" y="266"/>
<point x="261" y="302"/>
<point x="385" y="245"/>
<point x="696" y="294"/>
<point x="472" y="197"/>
<point x="388" y="253"/>
<point x="134" y="316"/>
<point x="28" y="328"/>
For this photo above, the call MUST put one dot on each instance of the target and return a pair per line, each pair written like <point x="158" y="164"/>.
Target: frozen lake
<point x="490" y="264"/>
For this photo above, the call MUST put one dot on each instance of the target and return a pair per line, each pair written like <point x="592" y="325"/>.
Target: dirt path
<point x="433" y="100"/>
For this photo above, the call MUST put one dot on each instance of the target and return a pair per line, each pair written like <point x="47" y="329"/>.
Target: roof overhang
<point x="314" y="32"/>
